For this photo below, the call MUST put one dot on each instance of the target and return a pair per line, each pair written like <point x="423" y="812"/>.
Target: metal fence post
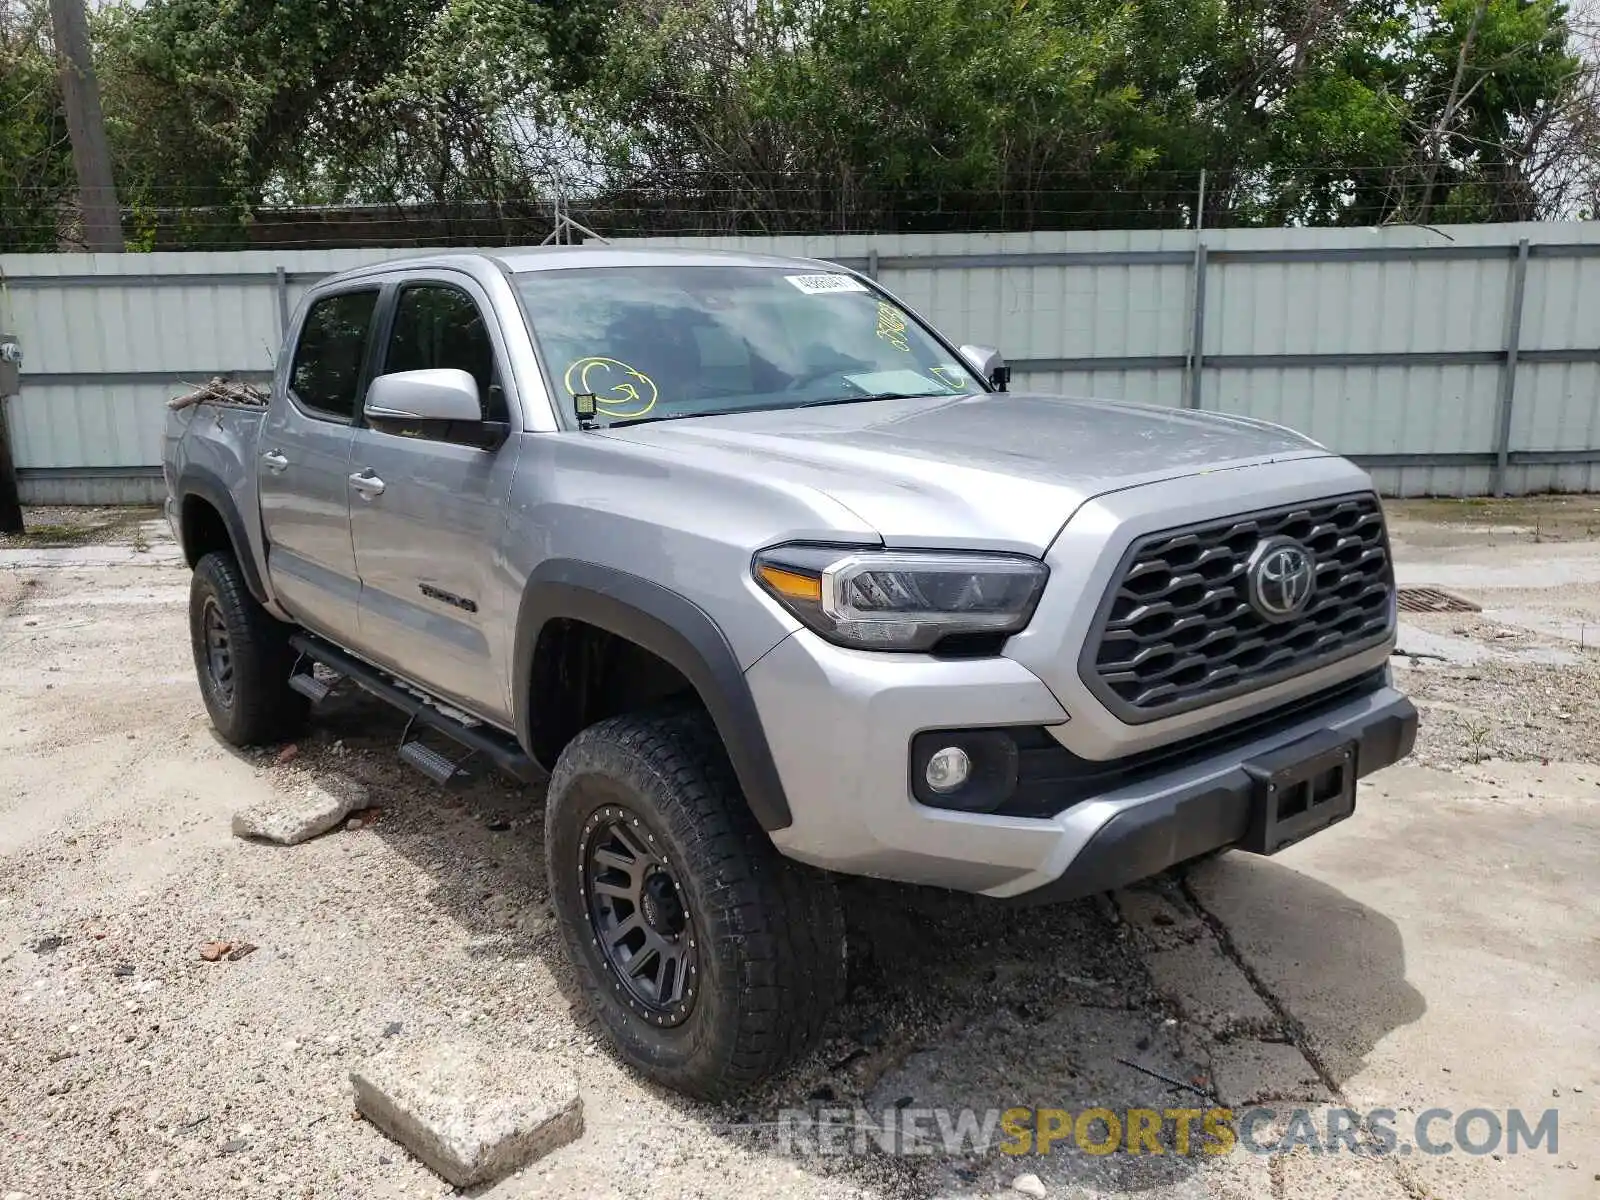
<point x="1508" y="368"/>
<point x="281" y="283"/>
<point x="872" y="264"/>
<point x="1197" y="330"/>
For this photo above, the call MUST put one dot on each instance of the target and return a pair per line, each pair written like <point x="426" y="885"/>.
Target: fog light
<point x="948" y="769"/>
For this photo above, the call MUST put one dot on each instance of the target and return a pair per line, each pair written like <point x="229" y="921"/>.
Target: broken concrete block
<point x="470" y="1115"/>
<point x="1247" y="1072"/>
<point x="289" y="818"/>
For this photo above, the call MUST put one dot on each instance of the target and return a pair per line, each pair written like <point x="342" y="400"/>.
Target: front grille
<point x="1177" y="629"/>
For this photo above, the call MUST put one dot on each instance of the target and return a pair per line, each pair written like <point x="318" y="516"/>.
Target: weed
<point x="1478" y="739"/>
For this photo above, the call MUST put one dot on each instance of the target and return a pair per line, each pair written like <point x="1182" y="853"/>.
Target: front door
<point x="303" y="468"/>
<point x="426" y="514"/>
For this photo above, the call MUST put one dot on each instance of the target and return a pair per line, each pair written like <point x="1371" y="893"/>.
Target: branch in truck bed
<point x="227" y="391"/>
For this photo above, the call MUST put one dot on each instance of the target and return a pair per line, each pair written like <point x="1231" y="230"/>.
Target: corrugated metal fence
<point x="1457" y="360"/>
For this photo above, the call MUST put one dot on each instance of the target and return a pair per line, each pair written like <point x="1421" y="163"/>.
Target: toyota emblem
<point x="1281" y="578"/>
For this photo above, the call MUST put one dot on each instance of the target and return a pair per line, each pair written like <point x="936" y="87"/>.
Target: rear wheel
<point x="710" y="959"/>
<point x="242" y="657"/>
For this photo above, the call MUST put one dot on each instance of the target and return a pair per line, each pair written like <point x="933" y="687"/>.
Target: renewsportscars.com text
<point x="1202" y="1132"/>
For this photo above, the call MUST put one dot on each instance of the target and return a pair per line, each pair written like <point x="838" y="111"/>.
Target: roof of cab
<point x="518" y="259"/>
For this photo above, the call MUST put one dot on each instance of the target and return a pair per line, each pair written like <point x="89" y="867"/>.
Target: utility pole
<point x="86" y="123"/>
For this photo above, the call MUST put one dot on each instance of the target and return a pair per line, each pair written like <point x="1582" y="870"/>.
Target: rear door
<point x="304" y="465"/>
<point x="426" y="533"/>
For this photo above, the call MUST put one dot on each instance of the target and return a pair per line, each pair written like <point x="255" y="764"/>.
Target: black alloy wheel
<point x="219" y="652"/>
<point x="639" y="916"/>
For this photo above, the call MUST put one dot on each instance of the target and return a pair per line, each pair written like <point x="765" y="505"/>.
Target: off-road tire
<point x="770" y="936"/>
<point x="255" y="704"/>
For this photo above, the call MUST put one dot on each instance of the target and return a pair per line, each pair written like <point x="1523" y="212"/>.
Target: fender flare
<point x="675" y="629"/>
<point x="208" y="486"/>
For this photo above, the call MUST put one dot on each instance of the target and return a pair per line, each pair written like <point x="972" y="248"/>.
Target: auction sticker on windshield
<point x="814" y="285"/>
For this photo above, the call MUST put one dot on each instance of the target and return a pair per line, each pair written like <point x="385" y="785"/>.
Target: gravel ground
<point x="130" y="1067"/>
<point x="1536" y="520"/>
<point x="51" y="528"/>
<point x="1509" y="711"/>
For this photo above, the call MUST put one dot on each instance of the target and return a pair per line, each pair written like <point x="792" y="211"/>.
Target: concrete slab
<point x="1585" y="631"/>
<point x="1161" y="922"/>
<point x="163" y="554"/>
<point x="1461" y="651"/>
<point x="1347" y="1176"/>
<point x="1519" y="566"/>
<point x="1207" y="987"/>
<point x="1070" y="1060"/>
<point x="1248" y="1072"/>
<point x="471" y="1114"/>
<point x="289" y="818"/>
<point x="1441" y="952"/>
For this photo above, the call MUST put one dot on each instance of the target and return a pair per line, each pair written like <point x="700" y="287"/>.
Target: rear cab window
<point x="331" y="354"/>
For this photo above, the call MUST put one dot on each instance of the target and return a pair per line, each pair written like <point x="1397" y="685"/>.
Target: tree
<point x="319" y="101"/>
<point x="1491" y="79"/>
<point x="35" y="151"/>
<point x="793" y="115"/>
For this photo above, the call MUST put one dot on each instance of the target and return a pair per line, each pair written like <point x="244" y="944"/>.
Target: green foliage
<point x="813" y="114"/>
<point x="1060" y="113"/>
<point x="1490" y="78"/>
<point x="35" y="155"/>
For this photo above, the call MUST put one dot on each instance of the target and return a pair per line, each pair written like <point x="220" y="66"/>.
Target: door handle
<point x="368" y="484"/>
<point x="276" y="462"/>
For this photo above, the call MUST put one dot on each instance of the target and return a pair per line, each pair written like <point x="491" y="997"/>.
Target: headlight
<point x="901" y="600"/>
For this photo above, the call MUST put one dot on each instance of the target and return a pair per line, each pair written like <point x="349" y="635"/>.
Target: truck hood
<point x="994" y="470"/>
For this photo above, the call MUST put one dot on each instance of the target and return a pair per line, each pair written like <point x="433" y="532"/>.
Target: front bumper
<point x="1145" y="839"/>
<point x="839" y="723"/>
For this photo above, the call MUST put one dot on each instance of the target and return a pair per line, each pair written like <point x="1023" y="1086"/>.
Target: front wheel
<point x="710" y="959"/>
<point x="242" y="657"/>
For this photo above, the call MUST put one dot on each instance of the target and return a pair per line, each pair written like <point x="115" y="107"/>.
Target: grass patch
<point x="55" y="536"/>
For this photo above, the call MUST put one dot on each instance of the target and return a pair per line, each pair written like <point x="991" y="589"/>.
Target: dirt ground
<point x="1441" y="950"/>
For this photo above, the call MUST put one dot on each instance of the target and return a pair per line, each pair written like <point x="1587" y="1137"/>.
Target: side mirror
<point x="987" y="362"/>
<point x="412" y="396"/>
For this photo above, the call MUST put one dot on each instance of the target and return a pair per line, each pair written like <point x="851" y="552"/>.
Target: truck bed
<point x="212" y="447"/>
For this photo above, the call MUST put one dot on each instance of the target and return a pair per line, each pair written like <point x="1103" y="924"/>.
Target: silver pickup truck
<point x="772" y="581"/>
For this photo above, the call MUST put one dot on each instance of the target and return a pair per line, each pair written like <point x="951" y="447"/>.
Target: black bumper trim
<point x="1146" y="839"/>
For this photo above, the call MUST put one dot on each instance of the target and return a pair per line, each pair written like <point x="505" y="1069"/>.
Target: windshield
<point x="653" y="343"/>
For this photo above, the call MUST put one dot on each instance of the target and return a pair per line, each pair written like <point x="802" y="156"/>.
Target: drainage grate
<point x="1432" y="600"/>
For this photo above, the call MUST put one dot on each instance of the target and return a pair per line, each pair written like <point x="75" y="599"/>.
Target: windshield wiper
<point x="824" y="403"/>
<point x="723" y="412"/>
<point x="627" y="421"/>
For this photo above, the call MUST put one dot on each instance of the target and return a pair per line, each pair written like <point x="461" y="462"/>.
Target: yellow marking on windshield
<point x="892" y="327"/>
<point x="631" y="396"/>
<point x="949" y="376"/>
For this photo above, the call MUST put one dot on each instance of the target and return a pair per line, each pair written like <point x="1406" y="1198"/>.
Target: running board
<point x="430" y="762"/>
<point x="499" y="748"/>
<point x="311" y="687"/>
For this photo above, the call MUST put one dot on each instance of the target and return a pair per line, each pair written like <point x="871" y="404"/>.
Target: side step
<point x="311" y="686"/>
<point x="430" y="762"/>
<point x="498" y="747"/>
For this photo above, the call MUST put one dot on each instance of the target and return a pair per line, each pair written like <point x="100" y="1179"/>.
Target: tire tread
<point x="265" y="708"/>
<point x="782" y="918"/>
